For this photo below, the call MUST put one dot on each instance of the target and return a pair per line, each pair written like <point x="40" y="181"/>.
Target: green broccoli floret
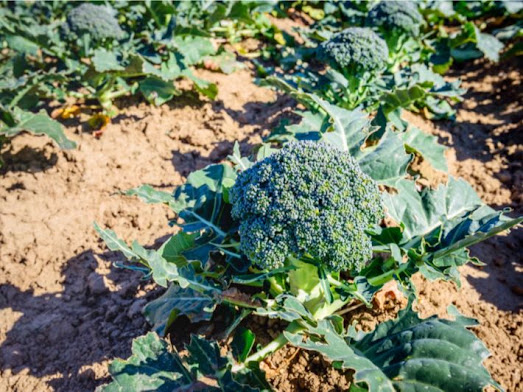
<point x="396" y="17"/>
<point x="96" y="20"/>
<point x="307" y="200"/>
<point x="356" y="49"/>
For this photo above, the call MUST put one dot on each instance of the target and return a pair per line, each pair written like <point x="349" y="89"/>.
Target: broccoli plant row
<point x="84" y="56"/>
<point x="320" y="218"/>
<point x="420" y="48"/>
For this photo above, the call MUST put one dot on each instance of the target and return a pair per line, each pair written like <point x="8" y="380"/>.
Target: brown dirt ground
<point x="65" y="310"/>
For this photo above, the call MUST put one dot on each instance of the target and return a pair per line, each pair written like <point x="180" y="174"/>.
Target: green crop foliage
<point x="396" y="17"/>
<point x="296" y="234"/>
<point x="90" y="55"/>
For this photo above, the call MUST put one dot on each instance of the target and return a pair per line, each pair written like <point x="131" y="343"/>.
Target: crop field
<point x="261" y="196"/>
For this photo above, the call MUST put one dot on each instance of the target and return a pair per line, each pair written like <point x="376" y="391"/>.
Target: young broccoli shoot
<point x="307" y="200"/>
<point x="96" y="20"/>
<point x="356" y="50"/>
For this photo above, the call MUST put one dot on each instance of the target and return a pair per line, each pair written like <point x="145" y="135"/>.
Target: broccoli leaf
<point x="152" y="367"/>
<point x="241" y="163"/>
<point x="193" y="48"/>
<point x="169" y="264"/>
<point x="473" y="227"/>
<point x="285" y="307"/>
<point x="210" y="90"/>
<point x="442" y="222"/>
<point x="38" y="123"/>
<point x="175" y="302"/>
<point x="427" y="146"/>
<point x="150" y="195"/>
<point x="421" y="212"/>
<point x="405" y="353"/>
<point x="489" y="45"/>
<point x="350" y="128"/>
<point x="172" y="250"/>
<point x="385" y="162"/>
<point x="22" y="44"/>
<point x="200" y="202"/>
<point x="402" y="98"/>
<point x="115" y="243"/>
<point x="104" y="60"/>
<point x="157" y="91"/>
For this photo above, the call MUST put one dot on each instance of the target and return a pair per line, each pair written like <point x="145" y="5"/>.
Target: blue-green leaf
<point x="39" y="124"/>
<point x="175" y="302"/>
<point x="421" y="212"/>
<point x="427" y="146"/>
<point x="407" y="353"/>
<point x="157" y="91"/>
<point x="150" y="368"/>
<point x="150" y="195"/>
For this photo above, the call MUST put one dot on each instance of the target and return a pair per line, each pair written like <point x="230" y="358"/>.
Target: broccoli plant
<point x="86" y="54"/>
<point x="297" y="235"/>
<point x="92" y="23"/>
<point x="354" y="58"/>
<point x="359" y="73"/>
<point x="396" y="17"/>
<point x="92" y="54"/>
<point x="467" y="30"/>
<point x="355" y="51"/>
<point x="358" y="54"/>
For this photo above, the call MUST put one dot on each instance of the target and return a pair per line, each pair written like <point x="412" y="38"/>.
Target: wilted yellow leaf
<point x="98" y="122"/>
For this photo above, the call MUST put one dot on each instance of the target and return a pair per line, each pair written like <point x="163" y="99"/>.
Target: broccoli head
<point x="356" y="49"/>
<point x="396" y="17"/>
<point x="96" y="20"/>
<point x="308" y="199"/>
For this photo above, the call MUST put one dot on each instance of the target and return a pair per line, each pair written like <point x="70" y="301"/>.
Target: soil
<point x="66" y="310"/>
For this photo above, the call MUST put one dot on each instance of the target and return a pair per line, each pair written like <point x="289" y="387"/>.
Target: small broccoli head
<point x="396" y="17"/>
<point x="96" y="20"/>
<point x="356" y="49"/>
<point x="306" y="199"/>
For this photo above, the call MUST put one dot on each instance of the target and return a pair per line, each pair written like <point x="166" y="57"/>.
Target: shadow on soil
<point x="497" y="96"/>
<point x="503" y="285"/>
<point x="265" y="116"/>
<point x="187" y="162"/>
<point x="93" y="319"/>
<point x="494" y="109"/>
<point x="27" y="160"/>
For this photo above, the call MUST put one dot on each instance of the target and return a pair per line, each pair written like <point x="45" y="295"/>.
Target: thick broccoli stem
<point x="387" y="276"/>
<point x="305" y="284"/>
<point x="397" y="51"/>
<point x="106" y="95"/>
<point x="295" y="326"/>
<point x="357" y="87"/>
<point x="270" y="348"/>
